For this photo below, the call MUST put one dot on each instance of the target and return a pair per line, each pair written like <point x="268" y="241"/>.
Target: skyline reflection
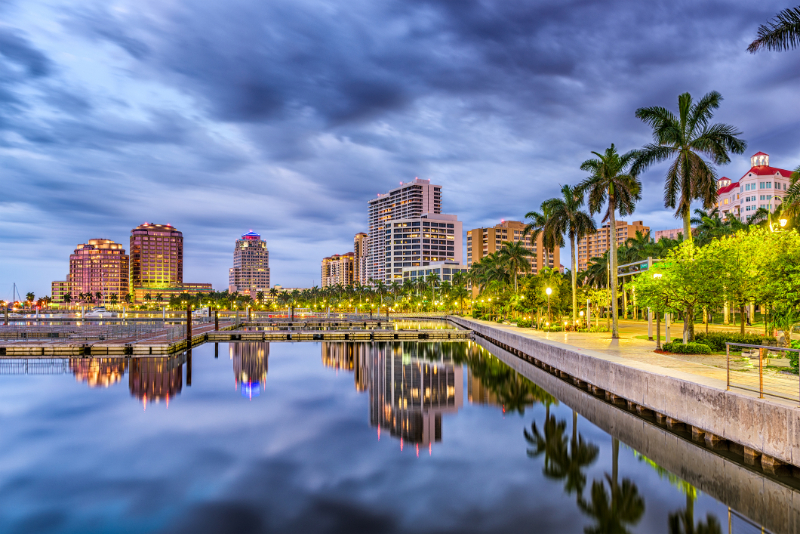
<point x="152" y="380"/>
<point x="250" y="366"/>
<point x="98" y="372"/>
<point x="410" y="386"/>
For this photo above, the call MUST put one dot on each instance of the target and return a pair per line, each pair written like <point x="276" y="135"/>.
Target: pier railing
<point x="764" y="370"/>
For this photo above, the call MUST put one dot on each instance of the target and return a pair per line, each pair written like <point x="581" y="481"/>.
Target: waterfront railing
<point x="765" y="370"/>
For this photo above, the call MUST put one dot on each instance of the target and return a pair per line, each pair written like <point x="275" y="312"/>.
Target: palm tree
<point x="515" y="255"/>
<point x="791" y="200"/>
<point x="779" y="34"/>
<point x="67" y="298"/>
<point x="684" y="140"/>
<point x="565" y="216"/>
<point x="611" y="184"/>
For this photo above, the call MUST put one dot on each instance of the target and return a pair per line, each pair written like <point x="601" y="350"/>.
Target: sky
<point x="287" y="116"/>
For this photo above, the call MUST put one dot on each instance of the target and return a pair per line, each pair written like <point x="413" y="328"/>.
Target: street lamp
<point x="782" y="221"/>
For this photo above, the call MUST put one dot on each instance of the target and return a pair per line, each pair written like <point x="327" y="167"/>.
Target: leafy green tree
<point x="30" y="297"/>
<point x="567" y="217"/>
<point x="67" y="298"/>
<point x="613" y="186"/>
<point x="779" y="34"/>
<point x="684" y="140"/>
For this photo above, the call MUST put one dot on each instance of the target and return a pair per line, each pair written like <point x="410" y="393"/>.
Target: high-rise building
<point x="250" y="271"/>
<point x="760" y="187"/>
<point x="418" y="241"/>
<point x="484" y="241"/>
<point x="411" y="199"/>
<point x="597" y="244"/>
<point x="156" y="256"/>
<point x="337" y="270"/>
<point x="99" y="266"/>
<point x="360" y="258"/>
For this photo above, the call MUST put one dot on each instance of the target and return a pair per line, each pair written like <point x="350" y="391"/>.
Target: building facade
<point x="418" y="241"/>
<point x="156" y="256"/>
<point x="250" y="271"/>
<point x="445" y="270"/>
<point x="760" y="187"/>
<point x="152" y="294"/>
<point x="484" y="241"/>
<point x="675" y="233"/>
<point x="99" y="266"/>
<point x="597" y="244"/>
<point x="360" y="256"/>
<point x="338" y="270"/>
<point x="411" y="199"/>
<point x="58" y="289"/>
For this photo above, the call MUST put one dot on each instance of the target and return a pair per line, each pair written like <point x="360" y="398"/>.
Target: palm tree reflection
<point x="563" y="459"/>
<point x="615" y="510"/>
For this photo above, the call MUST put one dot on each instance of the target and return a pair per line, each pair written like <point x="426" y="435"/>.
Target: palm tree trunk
<point x="688" y="315"/>
<point x="574" y="282"/>
<point x="612" y="271"/>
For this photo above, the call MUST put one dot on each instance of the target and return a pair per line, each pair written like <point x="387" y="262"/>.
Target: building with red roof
<point x="760" y="187"/>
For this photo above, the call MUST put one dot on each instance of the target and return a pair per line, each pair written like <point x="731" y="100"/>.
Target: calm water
<point x="318" y="437"/>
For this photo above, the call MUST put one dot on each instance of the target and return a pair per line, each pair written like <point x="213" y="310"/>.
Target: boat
<point x="98" y="312"/>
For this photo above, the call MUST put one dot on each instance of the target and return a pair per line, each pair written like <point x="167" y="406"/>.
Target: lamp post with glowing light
<point x="782" y="221"/>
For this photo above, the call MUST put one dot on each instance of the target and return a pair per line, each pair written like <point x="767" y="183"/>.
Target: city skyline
<point x="112" y="117"/>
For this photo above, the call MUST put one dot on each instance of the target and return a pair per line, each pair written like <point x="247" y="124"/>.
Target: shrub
<point x="678" y="347"/>
<point x="524" y="323"/>
<point x="716" y="340"/>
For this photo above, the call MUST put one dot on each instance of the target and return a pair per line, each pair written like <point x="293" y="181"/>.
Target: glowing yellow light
<point x="783" y="222"/>
<point x="548" y="291"/>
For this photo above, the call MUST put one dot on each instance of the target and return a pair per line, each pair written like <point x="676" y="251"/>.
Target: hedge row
<point x="678" y="347"/>
<point x="716" y="340"/>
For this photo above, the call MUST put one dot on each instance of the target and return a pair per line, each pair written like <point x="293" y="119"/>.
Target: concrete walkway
<point x="702" y="369"/>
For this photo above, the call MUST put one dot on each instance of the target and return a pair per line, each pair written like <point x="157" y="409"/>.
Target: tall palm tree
<point x="779" y="34"/>
<point x="515" y="255"/>
<point x="611" y="184"/>
<point x="684" y="140"/>
<point x="791" y="200"/>
<point x="566" y="216"/>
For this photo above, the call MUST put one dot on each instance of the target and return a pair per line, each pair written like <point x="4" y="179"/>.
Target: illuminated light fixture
<point x="783" y="222"/>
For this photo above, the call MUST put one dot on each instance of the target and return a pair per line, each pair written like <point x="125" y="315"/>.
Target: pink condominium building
<point x="99" y="266"/>
<point x="760" y="187"/>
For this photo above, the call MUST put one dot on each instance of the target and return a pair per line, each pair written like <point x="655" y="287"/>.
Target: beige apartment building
<point x="250" y="272"/>
<point x="484" y="241"/>
<point x="598" y="243"/>
<point x="360" y="242"/>
<point x="337" y="269"/>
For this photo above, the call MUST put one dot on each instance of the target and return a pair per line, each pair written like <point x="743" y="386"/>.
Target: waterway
<point x="327" y="437"/>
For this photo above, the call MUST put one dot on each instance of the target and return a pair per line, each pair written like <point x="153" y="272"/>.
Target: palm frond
<point x="779" y="34"/>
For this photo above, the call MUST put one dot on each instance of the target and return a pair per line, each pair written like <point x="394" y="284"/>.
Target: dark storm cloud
<point x="287" y="116"/>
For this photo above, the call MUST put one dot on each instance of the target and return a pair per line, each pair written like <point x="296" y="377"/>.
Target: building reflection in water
<point x="411" y="385"/>
<point x="250" y="364"/>
<point x="98" y="372"/>
<point x="154" y="379"/>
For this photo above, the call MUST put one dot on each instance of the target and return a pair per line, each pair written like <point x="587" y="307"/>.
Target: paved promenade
<point x="638" y="353"/>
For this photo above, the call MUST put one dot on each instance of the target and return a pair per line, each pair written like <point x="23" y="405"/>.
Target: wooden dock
<point x="206" y="334"/>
